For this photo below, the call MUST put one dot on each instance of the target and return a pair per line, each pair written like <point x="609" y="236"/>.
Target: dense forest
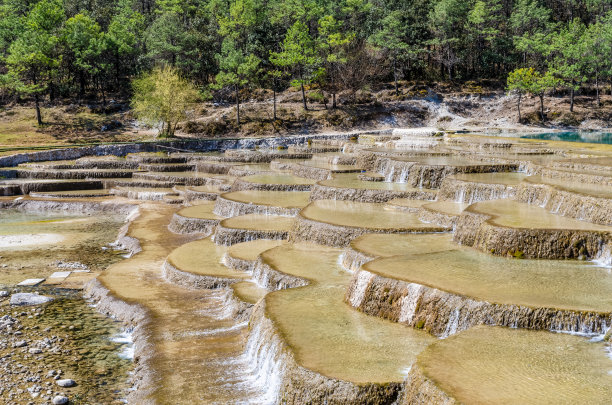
<point x="79" y="49"/>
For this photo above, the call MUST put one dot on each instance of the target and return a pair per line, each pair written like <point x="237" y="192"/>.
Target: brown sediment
<point x="577" y="177"/>
<point x="166" y="167"/>
<point x="156" y="158"/>
<point x="214" y="167"/>
<point x="146" y="193"/>
<point x="23" y="186"/>
<point x="430" y="172"/>
<point x="330" y="190"/>
<point x="276" y="182"/>
<point x="73" y="174"/>
<point x="339" y="223"/>
<point x="255" y="156"/>
<point x="470" y="189"/>
<point x="576" y="202"/>
<point x="485" y="365"/>
<point x="197" y="219"/>
<point x="199" y="281"/>
<point x="186" y="178"/>
<point x="244" y="256"/>
<point x="418" y="389"/>
<point x="443" y="313"/>
<point x="406" y="204"/>
<point x="274" y="280"/>
<point x="204" y="193"/>
<point x="132" y="182"/>
<point x="250" y="169"/>
<point x="536" y="234"/>
<point x="70" y="194"/>
<point x="442" y="213"/>
<point x="321" y="171"/>
<point x="287" y="203"/>
<point x="250" y="227"/>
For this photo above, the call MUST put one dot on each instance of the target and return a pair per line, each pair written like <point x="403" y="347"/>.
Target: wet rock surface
<point x="60" y="351"/>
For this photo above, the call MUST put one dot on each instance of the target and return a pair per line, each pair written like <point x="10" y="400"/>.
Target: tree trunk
<point x="572" y="96"/>
<point x="519" y="107"/>
<point x="542" y="106"/>
<point x="395" y="75"/>
<point x="237" y="107"/>
<point x="81" y="87"/>
<point x="597" y="89"/>
<point x="334" y="100"/>
<point x="304" y="96"/>
<point x="274" y="98"/>
<point x="37" y="104"/>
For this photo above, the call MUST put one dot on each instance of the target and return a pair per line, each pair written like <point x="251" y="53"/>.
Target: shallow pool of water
<point x="590" y="137"/>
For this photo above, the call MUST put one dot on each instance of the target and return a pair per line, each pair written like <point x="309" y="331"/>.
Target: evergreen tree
<point x="236" y="69"/>
<point x="568" y="51"/>
<point x="299" y="54"/>
<point x="32" y="57"/>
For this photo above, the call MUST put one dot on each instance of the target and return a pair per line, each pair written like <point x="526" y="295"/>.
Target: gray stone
<point x="4" y="293"/>
<point x="21" y="299"/>
<point x="20" y="343"/>
<point x="60" y="400"/>
<point x="66" y="383"/>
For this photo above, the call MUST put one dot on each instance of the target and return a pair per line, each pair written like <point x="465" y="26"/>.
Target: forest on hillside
<point x="83" y="49"/>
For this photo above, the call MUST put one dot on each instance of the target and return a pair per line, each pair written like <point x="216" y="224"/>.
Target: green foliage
<point x="299" y="55"/>
<point x="163" y="98"/>
<point x="32" y="57"/>
<point x="528" y="80"/>
<point x="53" y="48"/>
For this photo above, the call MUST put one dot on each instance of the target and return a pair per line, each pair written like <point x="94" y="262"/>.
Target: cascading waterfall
<point x="453" y="324"/>
<point x="471" y="193"/>
<point x="265" y="369"/>
<point x="604" y="257"/>
<point x="410" y="303"/>
<point x="363" y="280"/>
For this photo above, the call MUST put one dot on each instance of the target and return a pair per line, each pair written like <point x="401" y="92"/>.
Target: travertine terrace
<point x="397" y="267"/>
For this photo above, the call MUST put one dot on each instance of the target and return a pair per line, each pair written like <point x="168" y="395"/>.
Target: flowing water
<point x="250" y="315"/>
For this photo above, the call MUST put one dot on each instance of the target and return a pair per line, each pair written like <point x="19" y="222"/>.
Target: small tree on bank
<point x="519" y="82"/>
<point x="163" y="97"/>
<point x="528" y="80"/>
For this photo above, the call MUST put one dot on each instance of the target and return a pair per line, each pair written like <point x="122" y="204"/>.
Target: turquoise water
<point x="590" y="137"/>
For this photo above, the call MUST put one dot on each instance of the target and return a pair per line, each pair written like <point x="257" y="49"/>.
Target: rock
<point x="66" y="383"/>
<point x="20" y="343"/>
<point x="21" y="299"/>
<point x="4" y="294"/>
<point x="60" y="400"/>
<point x="35" y="350"/>
<point x="112" y="125"/>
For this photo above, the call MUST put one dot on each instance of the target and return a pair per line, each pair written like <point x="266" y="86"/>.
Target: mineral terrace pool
<point x="407" y="266"/>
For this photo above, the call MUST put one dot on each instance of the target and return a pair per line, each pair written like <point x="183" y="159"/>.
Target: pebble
<point x="35" y="350"/>
<point x="4" y="293"/>
<point x="66" y="383"/>
<point x="60" y="400"/>
<point x="20" y="343"/>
